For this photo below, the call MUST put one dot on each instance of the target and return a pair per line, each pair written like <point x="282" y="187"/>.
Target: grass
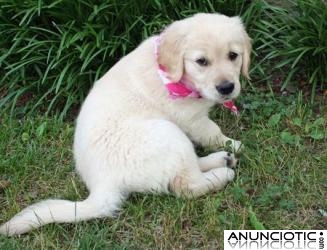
<point x="281" y="181"/>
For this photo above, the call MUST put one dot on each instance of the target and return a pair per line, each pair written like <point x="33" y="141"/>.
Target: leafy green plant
<point x="303" y="124"/>
<point x="255" y="223"/>
<point x="51" y="52"/>
<point x="311" y="129"/>
<point x="292" y="116"/>
<point x="274" y="120"/>
<point x="289" y="138"/>
<point x="294" y="39"/>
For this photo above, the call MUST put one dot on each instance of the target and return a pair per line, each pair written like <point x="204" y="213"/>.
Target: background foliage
<point x="51" y="52"/>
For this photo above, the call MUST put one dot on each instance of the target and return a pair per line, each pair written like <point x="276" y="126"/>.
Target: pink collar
<point x="178" y="89"/>
<point x="182" y="88"/>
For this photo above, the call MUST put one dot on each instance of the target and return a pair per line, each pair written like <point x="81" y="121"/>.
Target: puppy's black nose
<point x="225" y="87"/>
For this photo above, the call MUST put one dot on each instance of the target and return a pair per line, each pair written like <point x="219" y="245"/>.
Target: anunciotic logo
<point x="275" y="239"/>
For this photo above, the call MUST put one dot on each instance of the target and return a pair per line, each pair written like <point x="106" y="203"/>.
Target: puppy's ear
<point x="246" y="55"/>
<point x="171" y="50"/>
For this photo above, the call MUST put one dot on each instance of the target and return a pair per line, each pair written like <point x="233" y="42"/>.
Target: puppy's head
<point x="210" y="51"/>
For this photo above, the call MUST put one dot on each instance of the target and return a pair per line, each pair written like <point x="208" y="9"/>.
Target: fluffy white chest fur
<point x="132" y="137"/>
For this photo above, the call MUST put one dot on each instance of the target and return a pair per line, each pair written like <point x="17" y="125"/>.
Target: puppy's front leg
<point x="207" y="133"/>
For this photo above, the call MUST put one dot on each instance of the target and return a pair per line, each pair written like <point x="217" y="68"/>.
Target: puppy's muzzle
<point x="225" y="87"/>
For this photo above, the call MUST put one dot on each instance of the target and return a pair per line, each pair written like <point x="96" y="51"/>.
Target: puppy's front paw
<point x="231" y="160"/>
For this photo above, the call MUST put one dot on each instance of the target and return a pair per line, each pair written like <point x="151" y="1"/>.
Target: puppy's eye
<point x="202" y="61"/>
<point x="232" y="56"/>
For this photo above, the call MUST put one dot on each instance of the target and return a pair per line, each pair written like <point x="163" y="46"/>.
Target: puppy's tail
<point x="49" y="211"/>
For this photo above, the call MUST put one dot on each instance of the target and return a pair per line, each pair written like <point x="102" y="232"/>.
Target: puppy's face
<point x="210" y="51"/>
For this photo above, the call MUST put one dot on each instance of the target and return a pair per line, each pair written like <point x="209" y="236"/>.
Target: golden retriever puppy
<point x="135" y="129"/>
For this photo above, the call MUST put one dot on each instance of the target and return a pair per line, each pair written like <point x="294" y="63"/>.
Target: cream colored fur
<point x="132" y="137"/>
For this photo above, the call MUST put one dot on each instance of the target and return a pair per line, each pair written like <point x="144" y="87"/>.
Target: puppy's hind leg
<point x="169" y="162"/>
<point x="179" y="169"/>
<point x="196" y="183"/>
<point x="217" y="160"/>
